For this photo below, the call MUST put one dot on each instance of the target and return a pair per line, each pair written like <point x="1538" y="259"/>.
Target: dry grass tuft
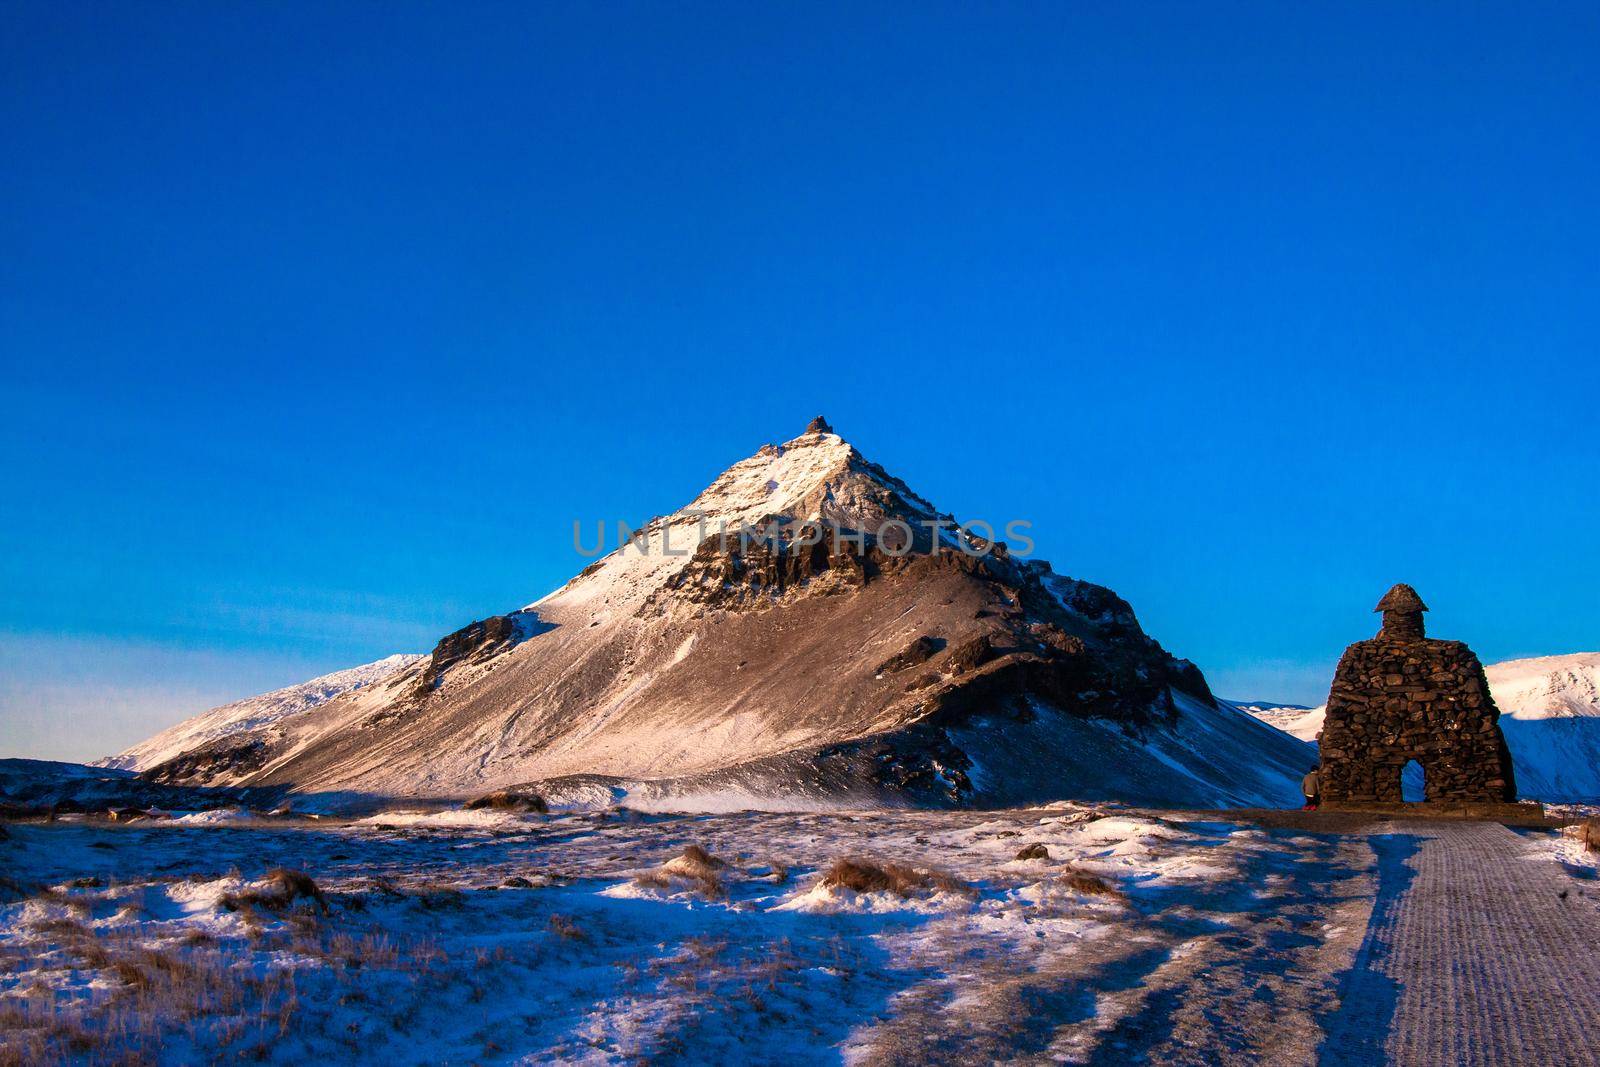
<point x="57" y="927"/>
<point x="696" y="857"/>
<point x="694" y="868"/>
<point x="80" y="906"/>
<point x="566" y="928"/>
<point x="1089" y="884"/>
<point x="863" y="877"/>
<point x="226" y="994"/>
<point x="277" y="891"/>
<point x="153" y="990"/>
<point x="510" y="800"/>
<point x="373" y="950"/>
<point x="652" y="880"/>
<point x="439" y="898"/>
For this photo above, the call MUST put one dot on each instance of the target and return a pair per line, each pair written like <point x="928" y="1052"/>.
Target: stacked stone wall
<point x="1397" y="698"/>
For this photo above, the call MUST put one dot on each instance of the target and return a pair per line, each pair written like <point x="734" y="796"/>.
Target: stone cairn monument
<point x="1401" y="696"/>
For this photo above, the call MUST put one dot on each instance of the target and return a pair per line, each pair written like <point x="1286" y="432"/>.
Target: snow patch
<point x="483" y="820"/>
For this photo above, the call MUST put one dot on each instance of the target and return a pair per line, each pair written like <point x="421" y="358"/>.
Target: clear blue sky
<point x="321" y="322"/>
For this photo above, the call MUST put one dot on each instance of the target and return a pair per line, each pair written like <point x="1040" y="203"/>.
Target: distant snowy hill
<point x="254" y="713"/>
<point x="1551" y="719"/>
<point x="1548" y="687"/>
<point x="1550" y="714"/>
<point x="1282" y="716"/>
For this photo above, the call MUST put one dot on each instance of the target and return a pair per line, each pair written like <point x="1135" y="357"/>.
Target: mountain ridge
<point x="844" y="652"/>
<point x="254" y="712"/>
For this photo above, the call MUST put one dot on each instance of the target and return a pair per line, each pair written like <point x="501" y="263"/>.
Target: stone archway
<point x="1402" y="696"/>
<point x="1413" y="782"/>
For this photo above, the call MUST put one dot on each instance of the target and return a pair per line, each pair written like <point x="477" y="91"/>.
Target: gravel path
<point x="1480" y="950"/>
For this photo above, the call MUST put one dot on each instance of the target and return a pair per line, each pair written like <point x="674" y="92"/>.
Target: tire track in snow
<point x="1480" y="951"/>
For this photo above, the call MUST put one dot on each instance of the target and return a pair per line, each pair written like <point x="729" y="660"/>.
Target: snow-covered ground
<point x="604" y="937"/>
<point x="1571" y="848"/>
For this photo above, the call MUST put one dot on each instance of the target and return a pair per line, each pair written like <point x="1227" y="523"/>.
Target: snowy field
<point x="488" y="937"/>
<point x="609" y="937"/>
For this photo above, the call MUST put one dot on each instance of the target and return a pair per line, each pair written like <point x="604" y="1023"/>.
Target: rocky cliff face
<point x="832" y="657"/>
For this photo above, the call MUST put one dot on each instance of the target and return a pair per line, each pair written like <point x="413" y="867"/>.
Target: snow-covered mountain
<point x="1293" y="719"/>
<point x="1548" y="687"/>
<point x="1282" y="716"/>
<point x="691" y="668"/>
<point x="1550" y="715"/>
<point x="1550" y="709"/>
<point x="254" y="714"/>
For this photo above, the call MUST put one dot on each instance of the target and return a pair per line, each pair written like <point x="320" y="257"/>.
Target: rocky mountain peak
<point x="775" y="663"/>
<point x="817" y="477"/>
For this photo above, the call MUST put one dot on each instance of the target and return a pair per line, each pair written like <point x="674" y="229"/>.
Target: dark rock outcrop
<point x="920" y="763"/>
<point x="210" y="762"/>
<point x="509" y="800"/>
<point x="474" y="643"/>
<point x="970" y="654"/>
<point x="733" y="571"/>
<point x="1046" y="638"/>
<point x="1401" y="696"/>
<point x="919" y="651"/>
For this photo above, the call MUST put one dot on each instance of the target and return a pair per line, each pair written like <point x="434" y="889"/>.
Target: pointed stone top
<point x="818" y="425"/>
<point x="1401" y="598"/>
